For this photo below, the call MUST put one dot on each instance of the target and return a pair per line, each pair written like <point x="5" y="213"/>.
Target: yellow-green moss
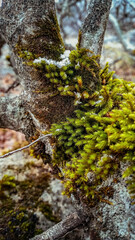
<point x="6" y="183"/>
<point x="18" y="219"/>
<point x="46" y="209"/>
<point x="21" y="225"/>
<point x="91" y="146"/>
<point x="77" y="79"/>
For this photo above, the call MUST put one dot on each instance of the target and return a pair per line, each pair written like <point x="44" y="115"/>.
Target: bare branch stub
<point x="59" y="230"/>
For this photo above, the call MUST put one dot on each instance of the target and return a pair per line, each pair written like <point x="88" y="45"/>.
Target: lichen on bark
<point x="45" y="40"/>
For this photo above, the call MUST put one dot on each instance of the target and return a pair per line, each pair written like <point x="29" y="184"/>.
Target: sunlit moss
<point x="100" y="136"/>
<point x="102" y="132"/>
<point x="78" y="78"/>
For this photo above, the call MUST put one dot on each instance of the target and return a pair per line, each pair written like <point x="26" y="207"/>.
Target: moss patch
<point x="44" y="41"/>
<point x="91" y="146"/>
<point x="17" y="218"/>
<point x="77" y="79"/>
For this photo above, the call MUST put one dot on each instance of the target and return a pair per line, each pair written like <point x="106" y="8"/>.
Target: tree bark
<point x="94" y="26"/>
<point x="21" y="24"/>
<point x="38" y="109"/>
<point x="60" y="229"/>
<point x="14" y="116"/>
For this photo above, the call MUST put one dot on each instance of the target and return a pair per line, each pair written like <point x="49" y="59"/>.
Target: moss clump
<point x="44" y="41"/>
<point x="78" y="78"/>
<point x="6" y="183"/>
<point x="21" y="224"/>
<point x="46" y="209"/>
<point x="91" y="146"/>
<point x="18" y="219"/>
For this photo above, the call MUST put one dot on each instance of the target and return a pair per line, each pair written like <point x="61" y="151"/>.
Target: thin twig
<point x="27" y="146"/>
<point x="13" y="85"/>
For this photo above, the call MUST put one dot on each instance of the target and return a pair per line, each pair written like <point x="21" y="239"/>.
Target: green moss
<point x="45" y="41"/>
<point x="91" y="146"/>
<point x="6" y="183"/>
<point x="77" y="79"/>
<point x="17" y="219"/>
<point x="21" y="225"/>
<point x="101" y="134"/>
<point x="46" y="209"/>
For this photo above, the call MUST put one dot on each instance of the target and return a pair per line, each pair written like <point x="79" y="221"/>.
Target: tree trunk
<point x="30" y="27"/>
<point x="94" y="26"/>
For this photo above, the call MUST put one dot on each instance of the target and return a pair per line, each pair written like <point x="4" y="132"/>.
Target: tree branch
<point x="94" y="25"/>
<point x="131" y="4"/>
<point x="128" y="48"/>
<point x="14" y="116"/>
<point x="60" y="229"/>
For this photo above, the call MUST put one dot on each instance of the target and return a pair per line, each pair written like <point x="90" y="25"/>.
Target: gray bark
<point x="59" y="230"/>
<point x="19" y="22"/>
<point x="37" y="109"/>
<point x="94" y="25"/>
<point x="14" y="116"/>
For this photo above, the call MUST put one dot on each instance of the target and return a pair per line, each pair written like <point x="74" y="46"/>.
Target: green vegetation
<point x="17" y="218"/>
<point x="78" y="78"/>
<point x="91" y="146"/>
<point x="6" y="183"/>
<point x="101" y="134"/>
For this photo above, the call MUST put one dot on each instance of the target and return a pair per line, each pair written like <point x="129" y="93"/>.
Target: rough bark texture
<point x="94" y="25"/>
<point x="20" y="21"/>
<point x="37" y="108"/>
<point x="1" y="43"/>
<point x="114" y="220"/>
<point x="59" y="230"/>
<point x="14" y="116"/>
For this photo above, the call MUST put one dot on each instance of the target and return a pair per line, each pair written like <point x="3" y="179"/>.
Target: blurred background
<point x="118" y="50"/>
